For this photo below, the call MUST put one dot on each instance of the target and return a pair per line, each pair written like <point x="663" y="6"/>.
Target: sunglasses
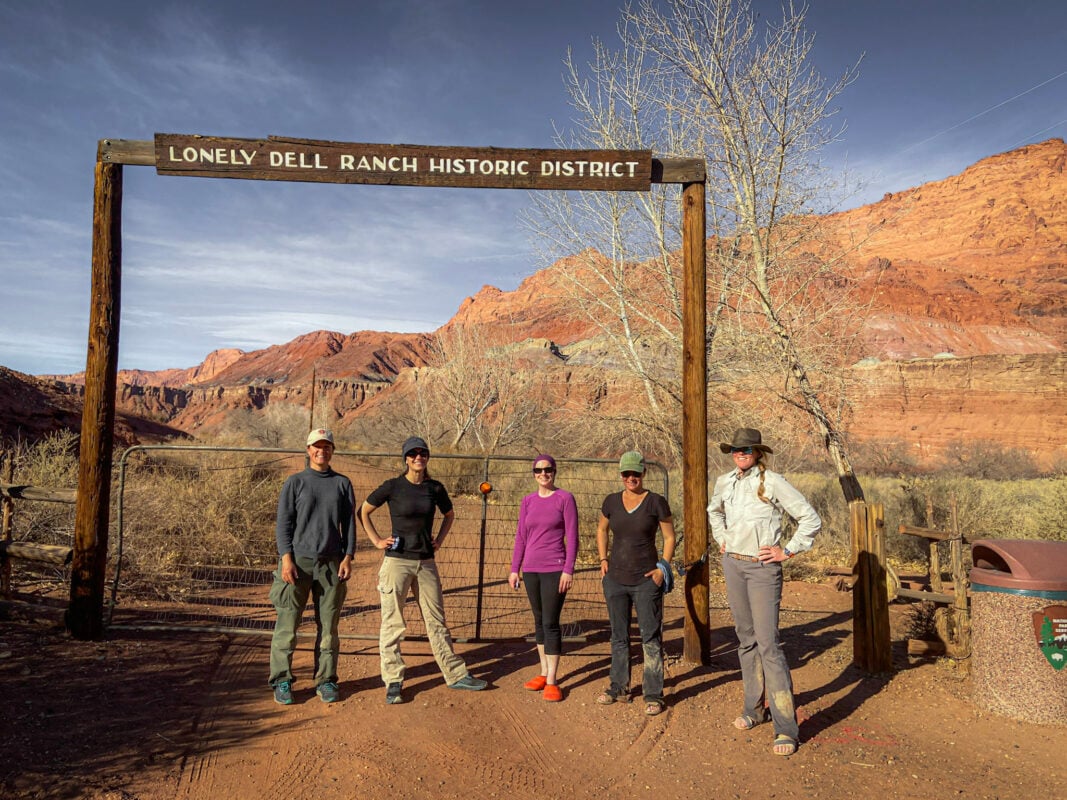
<point x="746" y="450"/>
<point x="417" y="454"/>
<point x="545" y="470"/>
<point x="631" y="474"/>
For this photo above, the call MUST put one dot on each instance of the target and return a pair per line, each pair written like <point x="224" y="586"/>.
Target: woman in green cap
<point x="634" y="575"/>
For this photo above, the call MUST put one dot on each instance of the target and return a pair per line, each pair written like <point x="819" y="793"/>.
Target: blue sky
<point x="218" y="263"/>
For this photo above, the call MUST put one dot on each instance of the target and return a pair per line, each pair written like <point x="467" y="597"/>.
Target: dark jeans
<point x="647" y="598"/>
<point x="546" y="602"/>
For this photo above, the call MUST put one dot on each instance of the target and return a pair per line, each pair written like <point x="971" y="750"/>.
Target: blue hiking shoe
<point x="393" y="694"/>
<point x="327" y="692"/>
<point x="283" y="693"/>
<point x="470" y="683"/>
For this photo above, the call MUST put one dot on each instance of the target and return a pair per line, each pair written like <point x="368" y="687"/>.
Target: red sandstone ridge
<point x="216" y="361"/>
<point x="973" y="264"/>
<point x="360" y="356"/>
<point x="538" y="309"/>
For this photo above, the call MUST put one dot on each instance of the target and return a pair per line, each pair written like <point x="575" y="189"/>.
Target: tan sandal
<point x="654" y="708"/>
<point x="784" y="745"/>
<point x="747" y="723"/>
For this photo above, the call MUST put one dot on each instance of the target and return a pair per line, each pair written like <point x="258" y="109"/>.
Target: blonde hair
<point x="762" y="478"/>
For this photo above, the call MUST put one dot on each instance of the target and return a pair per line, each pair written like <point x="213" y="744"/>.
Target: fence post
<point x="960" y="615"/>
<point x="7" y="510"/>
<point x="871" y="644"/>
<point x="485" y="488"/>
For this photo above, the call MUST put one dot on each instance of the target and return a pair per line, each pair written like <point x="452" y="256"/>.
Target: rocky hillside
<point x="971" y="269"/>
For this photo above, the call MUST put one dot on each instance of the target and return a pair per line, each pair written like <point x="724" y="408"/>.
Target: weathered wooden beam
<point x="142" y="153"/>
<point x="20" y="492"/>
<point x="678" y="170"/>
<point x="922" y="647"/>
<point x="134" y="152"/>
<point x="42" y="553"/>
<point x="870" y="599"/>
<point x="928" y="533"/>
<point x="697" y="630"/>
<point x="85" y="617"/>
<point x="933" y="597"/>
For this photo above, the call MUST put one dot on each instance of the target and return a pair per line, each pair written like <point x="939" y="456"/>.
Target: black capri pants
<point x="546" y="602"/>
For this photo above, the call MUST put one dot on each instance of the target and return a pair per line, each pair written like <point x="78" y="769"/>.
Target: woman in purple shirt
<point x="546" y="546"/>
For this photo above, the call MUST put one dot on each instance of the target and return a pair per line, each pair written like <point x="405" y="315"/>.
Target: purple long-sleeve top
<point x="546" y="539"/>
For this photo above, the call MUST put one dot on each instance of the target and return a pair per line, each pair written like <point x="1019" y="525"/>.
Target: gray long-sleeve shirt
<point x="316" y="515"/>
<point x="744" y="523"/>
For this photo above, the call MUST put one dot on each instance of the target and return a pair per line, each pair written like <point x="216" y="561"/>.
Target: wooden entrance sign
<point x="281" y="159"/>
<point x="278" y="158"/>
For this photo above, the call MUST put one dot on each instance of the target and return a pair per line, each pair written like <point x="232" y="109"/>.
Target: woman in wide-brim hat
<point x="746" y="510"/>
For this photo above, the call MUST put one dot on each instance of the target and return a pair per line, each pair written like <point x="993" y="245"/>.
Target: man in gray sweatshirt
<point x="316" y="535"/>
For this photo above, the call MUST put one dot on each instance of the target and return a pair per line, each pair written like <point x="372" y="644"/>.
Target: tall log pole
<point x="697" y="634"/>
<point x="92" y="509"/>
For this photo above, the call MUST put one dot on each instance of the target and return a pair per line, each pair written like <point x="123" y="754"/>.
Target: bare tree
<point x="490" y="397"/>
<point x="702" y="76"/>
<point x="767" y="112"/>
<point x="626" y="277"/>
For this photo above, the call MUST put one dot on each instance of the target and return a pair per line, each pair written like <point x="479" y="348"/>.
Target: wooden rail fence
<point x="26" y="551"/>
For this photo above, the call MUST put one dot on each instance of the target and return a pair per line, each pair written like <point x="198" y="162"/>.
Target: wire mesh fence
<point x="194" y="547"/>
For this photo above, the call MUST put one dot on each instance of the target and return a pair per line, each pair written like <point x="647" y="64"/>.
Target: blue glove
<point x="668" y="575"/>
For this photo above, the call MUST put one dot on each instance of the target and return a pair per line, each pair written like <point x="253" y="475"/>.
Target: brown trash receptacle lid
<point x="1020" y="564"/>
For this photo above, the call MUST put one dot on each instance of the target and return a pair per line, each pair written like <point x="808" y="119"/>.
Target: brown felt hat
<point x="745" y="437"/>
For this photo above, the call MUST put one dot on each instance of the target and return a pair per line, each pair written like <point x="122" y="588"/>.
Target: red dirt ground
<point x="181" y="717"/>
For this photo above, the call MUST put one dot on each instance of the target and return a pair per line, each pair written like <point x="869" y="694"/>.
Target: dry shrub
<point x="51" y="462"/>
<point x="182" y="509"/>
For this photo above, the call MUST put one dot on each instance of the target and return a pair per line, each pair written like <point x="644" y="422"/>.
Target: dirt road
<point x="169" y="717"/>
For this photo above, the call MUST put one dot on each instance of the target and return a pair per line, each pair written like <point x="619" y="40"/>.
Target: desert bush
<point x="51" y="462"/>
<point x="987" y="460"/>
<point x="183" y="509"/>
<point x="994" y="509"/>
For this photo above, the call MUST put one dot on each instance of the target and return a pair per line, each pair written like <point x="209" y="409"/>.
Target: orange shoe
<point x="536" y="684"/>
<point x="552" y="693"/>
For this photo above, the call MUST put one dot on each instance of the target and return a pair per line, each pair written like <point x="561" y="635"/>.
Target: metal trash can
<point x="1019" y="628"/>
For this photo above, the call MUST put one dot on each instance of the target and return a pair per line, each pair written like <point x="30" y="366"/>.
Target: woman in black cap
<point x="413" y="498"/>
<point x="745" y="512"/>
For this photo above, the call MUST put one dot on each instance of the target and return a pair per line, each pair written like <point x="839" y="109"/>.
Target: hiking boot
<point x="470" y="683"/>
<point x="327" y="692"/>
<point x="283" y="693"/>
<point x="393" y="695"/>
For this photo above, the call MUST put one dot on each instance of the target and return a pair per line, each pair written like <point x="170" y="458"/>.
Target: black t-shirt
<point x="411" y="509"/>
<point x="633" y="541"/>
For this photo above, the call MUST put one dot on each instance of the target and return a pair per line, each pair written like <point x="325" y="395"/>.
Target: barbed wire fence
<point x="193" y="541"/>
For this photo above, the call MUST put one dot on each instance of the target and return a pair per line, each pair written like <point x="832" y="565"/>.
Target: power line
<point x="983" y="113"/>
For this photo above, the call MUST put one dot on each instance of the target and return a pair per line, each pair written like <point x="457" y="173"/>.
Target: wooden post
<point x="871" y="641"/>
<point x="7" y="511"/>
<point x="935" y="554"/>
<point x="960" y="646"/>
<point x="92" y="509"/>
<point x="696" y="647"/>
